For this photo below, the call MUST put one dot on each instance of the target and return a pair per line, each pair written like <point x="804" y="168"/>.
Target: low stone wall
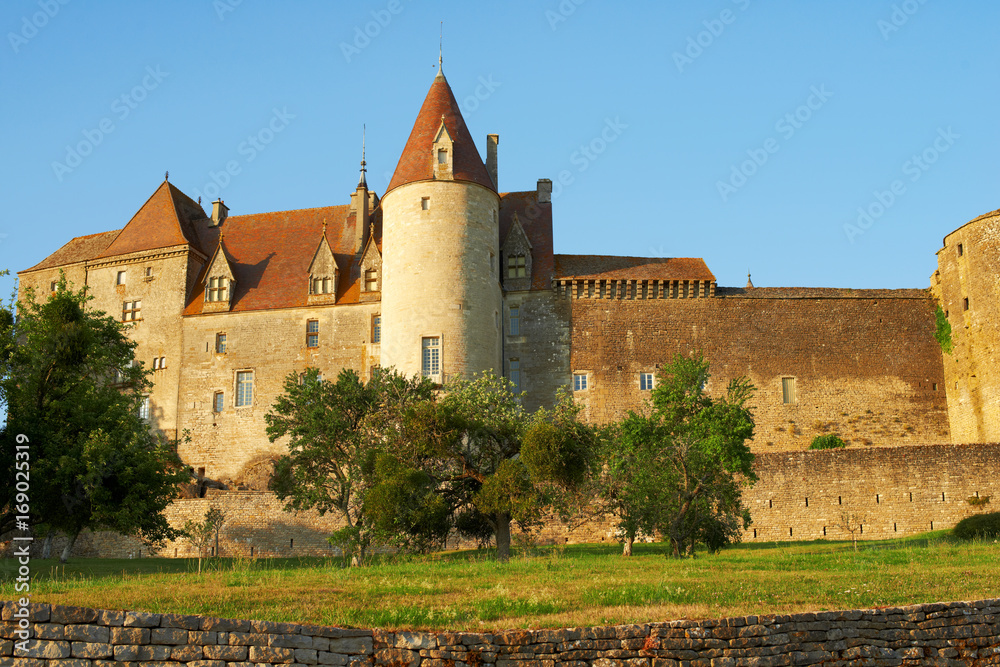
<point x="956" y="633"/>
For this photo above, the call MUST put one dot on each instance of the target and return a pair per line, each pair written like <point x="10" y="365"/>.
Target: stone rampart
<point x="956" y="633"/>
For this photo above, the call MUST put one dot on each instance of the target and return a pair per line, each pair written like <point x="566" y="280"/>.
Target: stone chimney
<point x="361" y="204"/>
<point x="544" y="191"/>
<point x="491" y="158"/>
<point x="219" y="212"/>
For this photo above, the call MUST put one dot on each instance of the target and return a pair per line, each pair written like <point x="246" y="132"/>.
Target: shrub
<point x="828" y="441"/>
<point x="978" y="525"/>
<point x="942" y="331"/>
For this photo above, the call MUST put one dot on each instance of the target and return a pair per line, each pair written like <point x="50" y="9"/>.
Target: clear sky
<point x="745" y="132"/>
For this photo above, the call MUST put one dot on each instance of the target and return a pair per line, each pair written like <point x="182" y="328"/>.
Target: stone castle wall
<point x="967" y="287"/>
<point x="956" y="633"/>
<point x="864" y="363"/>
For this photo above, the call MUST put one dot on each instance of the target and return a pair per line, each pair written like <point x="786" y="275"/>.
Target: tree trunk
<point x="47" y="545"/>
<point x="627" y="547"/>
<point x="69" y="546"/>
<point x="503" y="537"/>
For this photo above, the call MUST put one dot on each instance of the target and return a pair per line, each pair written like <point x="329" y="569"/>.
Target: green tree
<point x="200" y="533"/>
<point x="72" y="389"/>
<point x="336" y="432"/>
<point x="679" y="469"/>
<point x="493" y="463"/>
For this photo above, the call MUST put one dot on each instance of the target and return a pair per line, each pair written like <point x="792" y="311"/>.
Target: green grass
<point x="548" y="587"/>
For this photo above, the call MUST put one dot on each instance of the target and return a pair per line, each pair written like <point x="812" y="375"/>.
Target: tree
<point x="73" y="391"/>
<point x="200" y="534"/>
<point x="492" y="463"/>
<point x="337" y="431"/>
<point x="679" y="469"/>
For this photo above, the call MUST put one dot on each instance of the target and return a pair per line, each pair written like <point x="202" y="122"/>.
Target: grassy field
<point x="546" y="587"/>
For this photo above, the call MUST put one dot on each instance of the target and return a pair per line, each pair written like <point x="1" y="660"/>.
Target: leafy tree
<point x="200" y="534"/>
<point x="942" y="330"/>
<point x="679" y="469"/>
<point x="70" y="386"/>
<point x="337" y="431"/>
<point x="828" y="441"/>
<point x="492" y="463"/>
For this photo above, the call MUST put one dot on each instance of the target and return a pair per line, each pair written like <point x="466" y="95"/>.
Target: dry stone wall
<point x="957" y="633"/>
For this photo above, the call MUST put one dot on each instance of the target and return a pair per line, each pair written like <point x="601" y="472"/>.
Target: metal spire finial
<point x="441" y="50"/>
<point x="361" y="181"/>
<point x="166" y="176"/>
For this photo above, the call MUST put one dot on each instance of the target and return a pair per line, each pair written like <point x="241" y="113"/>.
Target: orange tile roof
<point x="79" y="249"/>
<point x="168" y="218"/>
<point x="607" y="267"/>
<point x="536" y="220"/>
<point x="416" y="162"/>
<point x="270" y="254"/>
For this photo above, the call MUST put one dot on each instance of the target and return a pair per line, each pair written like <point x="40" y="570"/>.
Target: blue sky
<point x="745" y="132"/>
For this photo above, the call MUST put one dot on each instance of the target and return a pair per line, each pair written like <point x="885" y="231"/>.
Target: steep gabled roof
<point x="536" y="221"/>
<point x="606" y="267"/>
<point x="77" y="250"/>
<point x="416" y="162"/>
<point x="168" y="218"/>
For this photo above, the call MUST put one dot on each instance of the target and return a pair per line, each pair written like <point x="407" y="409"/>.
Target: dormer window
<point x="321" y="285"/>
<point x="516" y="267"/>
<point x="442" y="156"/>
<point x="371" y="280"/>
<point x="218" y="289"/>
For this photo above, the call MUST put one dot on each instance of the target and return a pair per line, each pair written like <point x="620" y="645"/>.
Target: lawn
<point x="545" y="587"/>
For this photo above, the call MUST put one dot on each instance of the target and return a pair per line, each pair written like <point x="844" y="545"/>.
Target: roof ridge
<point x="291" y="210"/>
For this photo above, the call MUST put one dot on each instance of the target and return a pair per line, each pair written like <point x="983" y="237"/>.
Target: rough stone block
<point x="186" y="653"/>
<point x="48" y="631"/>
<point x="327" y="658"/>
<point x="306" y="656"/>
<point x="272" y="654"/>
<point x="95" y="634"/>
<point x="168" y="636"/>
<point x="224" y="625"/>
<point x="180" y="621"/>
<point x="202" y="638"/>
<point x="154" y="653"/>
<point x="111" y="618"/>
<point x="397" y="657"/>
<point x="292" y="641"/>
<point x="129" y="635"/>
<point x="91" y="650"/>
<point x="352" y="645"/>
<point x="415" y="640"/>
<point x="40" y="648"/>
<point x="126" y="652"/>
<point x="72" y="615"/>
<point x="227" y="653"/>
<point x="141" y="619"/>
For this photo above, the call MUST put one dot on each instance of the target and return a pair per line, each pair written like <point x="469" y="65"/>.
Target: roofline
<point x="438" y="180"/>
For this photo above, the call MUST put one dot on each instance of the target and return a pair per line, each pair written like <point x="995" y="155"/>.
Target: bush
<point x="978" y="526"/>
<point x="828" y="441"/>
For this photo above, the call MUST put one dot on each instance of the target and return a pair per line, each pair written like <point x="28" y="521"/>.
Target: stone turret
<point x="441" y="296"/>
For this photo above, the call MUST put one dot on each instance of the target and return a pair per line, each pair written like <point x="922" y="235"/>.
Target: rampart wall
<point x="956" y="633"/>
<point x="862" y="363"/>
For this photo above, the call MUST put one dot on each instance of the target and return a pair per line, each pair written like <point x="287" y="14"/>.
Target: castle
<point x="444" y="274"/>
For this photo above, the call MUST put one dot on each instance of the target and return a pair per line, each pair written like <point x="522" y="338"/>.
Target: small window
<point x="156" y="363"/>
<point x="144" y="409"/>
<point x="442" y="156"/>
<point x="514" y="374"/>
<point x="321" y="285"/>
<point x="149" y="272"/>
<point x="516" y="266"/>
<point x="54" y="285"/>
<point x="220" y="343"/>
<point x="493" y="264"/>
<point x="312" y="333"/>
<point x="244" y="388"/>
<point x="425" y="203"/>
<point x="218" y="289"/>
<point x="120" y="279"/>
<point x="376" y="329"/>
<point x="788" y="390"/>
<point x="965" y="303"/>
<point x="579" y="381"/>
<point x="371" y="280"/>
<point x="163" y="362"/>
<point x="131" y="311"/>
<point x="961" y="250"/>
<point x="219" y="401"/>
<point x="159" y="363"/>
<point x="431" y="357"/>
<point x="514" y="328"/>
<point x="645" y="381"/>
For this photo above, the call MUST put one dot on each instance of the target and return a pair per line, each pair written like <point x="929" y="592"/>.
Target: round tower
<point x="441" y="296"/>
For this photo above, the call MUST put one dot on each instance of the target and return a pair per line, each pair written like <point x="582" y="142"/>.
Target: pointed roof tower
<point x="166" y="219"/>
<point x="417" y="161"/>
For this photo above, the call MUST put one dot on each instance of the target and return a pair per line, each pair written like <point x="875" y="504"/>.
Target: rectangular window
<point x="244" y="388"/>
<point x="53" y="286"/>
<point x="312" y="333"/>
<point x="965" y="303"/>
<point x="516" y="267"/>
<point x="120" y="279"/>
<point x="218" y="289"/>
<point x="220" y="343"/>
<point x="442" y="156"/>
<point x="371" y="280"/>
<point x="431" y="360"/>
<point x="961" y="250"/>
<point x="645" y="381"/>
<point x="515" y="321"/>
<point x="788" y="390"/>
<point x="149" y="272"/>
<point x="425" y="203"/>
<point x="130" y="311"/>
<point x="376" y="329"/>
<point x="321" y="286"/>
<point x="219" y="401"/>
<point x="144" y="409"/>
<point x="514" y="366"/>
<point x="579" y="381"/>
